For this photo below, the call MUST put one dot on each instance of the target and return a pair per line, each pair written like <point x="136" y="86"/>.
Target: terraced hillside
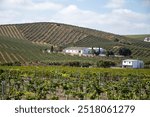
<point x="15" y="50"/>
<point x="18" y="50"/>
<point x="25" y="42"/>
<point x="53" y="33"/>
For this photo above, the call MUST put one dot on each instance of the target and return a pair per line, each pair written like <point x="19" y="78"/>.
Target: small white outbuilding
<point x="132" y="63"/>
<point x="147" y="39"/>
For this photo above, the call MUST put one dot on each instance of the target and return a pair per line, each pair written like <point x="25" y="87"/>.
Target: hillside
<point x="17" y="50"/>
<point x="12" y="50"/>
<point x="25" y="42"/>
<point x="53" y="33"/>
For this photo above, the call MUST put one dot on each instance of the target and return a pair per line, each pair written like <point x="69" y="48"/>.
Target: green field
<point x="65" y="83"/>
<point x="141" y="37"/>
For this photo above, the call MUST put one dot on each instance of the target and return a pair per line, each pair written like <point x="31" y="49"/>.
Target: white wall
<point x="72" y="51"/>
<point x="133" y="63"/>
<point x="127" y="63"/>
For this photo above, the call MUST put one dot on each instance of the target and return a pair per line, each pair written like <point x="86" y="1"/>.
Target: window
<point x="131" y="62"/>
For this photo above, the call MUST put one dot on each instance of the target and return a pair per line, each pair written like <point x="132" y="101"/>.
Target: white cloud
<point x="123" y="21"/>
<point x="30" y="5"/>
<point x="44" y="6"/>
<point x="21" y="11"/>
<point x="8" y="16"/>
<point x="115" y="4"/>
<point x="118" y="20"/>
<point x="126" y="14"/>
<point x="72" y="14"/>
<point x="14" y="2"/>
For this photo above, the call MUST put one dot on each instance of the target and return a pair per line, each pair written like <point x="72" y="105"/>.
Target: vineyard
<point x="15" y="50"/>
<point x="53" y="33"/>
<point x="24" y="42"/>
<point x="67" y="83"/>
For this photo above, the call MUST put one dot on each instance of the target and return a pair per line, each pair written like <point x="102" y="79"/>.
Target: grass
<point x="141" y="37"/>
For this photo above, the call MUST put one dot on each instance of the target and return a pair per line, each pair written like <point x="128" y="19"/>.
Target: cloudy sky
<point x="116" y="16"/>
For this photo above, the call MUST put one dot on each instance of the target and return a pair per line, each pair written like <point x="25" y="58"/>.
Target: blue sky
<point x="116" y="16"/>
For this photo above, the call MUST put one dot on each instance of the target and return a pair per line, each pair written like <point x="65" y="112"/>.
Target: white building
<point x="82" y="50"/>
<point x="147" y="39"/>
<point x="46" y="51"/>
<point x="74" y="50"/>
<point x="131" y="63"/>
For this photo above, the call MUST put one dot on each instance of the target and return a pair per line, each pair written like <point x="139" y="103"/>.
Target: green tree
<point x="125" y="51"/>
<point x="97" y="52"/>
<point x="52" y="49"/>
<point x="93" y="51"/>
<point x="116" y="40"/>
<point x="105" y="64"/>
<point x="108" y="53"/>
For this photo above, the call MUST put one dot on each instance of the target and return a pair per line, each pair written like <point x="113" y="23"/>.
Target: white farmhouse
<point x="131" y="63"/>
<point x="82" y="50"/>
<point x="75" y="50"/>
<point x="147" y="39"/>
<point x="46" y="51"/>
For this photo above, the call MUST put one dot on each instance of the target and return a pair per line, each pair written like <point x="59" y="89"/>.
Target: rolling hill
<point x="53" y="33"/>
<point x="25" y="42"/>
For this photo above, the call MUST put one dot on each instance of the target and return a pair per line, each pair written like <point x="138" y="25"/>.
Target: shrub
<point x="105" y="64"/>
<point x="108" y="53"/>
<point x="116" y="40"/>
<point x="55" y="63"/>
<point x="125" y="51"/>
<point x="12" y="64"/>
<point x="72" y="64"/>
<point x="16" y="63"/>
<point x="86" y="64"/>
